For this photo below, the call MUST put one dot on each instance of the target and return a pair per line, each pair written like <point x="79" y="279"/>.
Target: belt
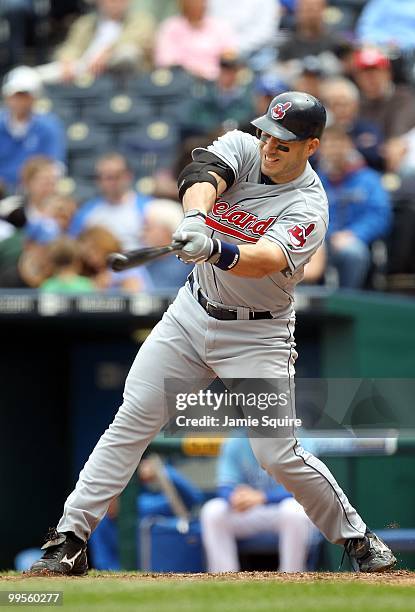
<point x="224" y="314"/>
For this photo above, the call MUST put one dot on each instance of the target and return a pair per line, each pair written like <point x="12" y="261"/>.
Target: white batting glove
<point x="198" y="247"/>
<point x="194" y="221"/>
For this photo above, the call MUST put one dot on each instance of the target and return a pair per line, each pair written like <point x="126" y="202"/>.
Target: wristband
<point x="224" y="255"/>
<point x="195" y="213"/>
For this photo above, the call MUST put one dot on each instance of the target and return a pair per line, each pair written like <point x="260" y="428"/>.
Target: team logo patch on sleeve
<point x="298" y="234"/>
<point x="278" y="111"/>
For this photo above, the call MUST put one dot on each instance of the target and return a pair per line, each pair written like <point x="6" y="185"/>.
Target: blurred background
<point x="102" y="104"/>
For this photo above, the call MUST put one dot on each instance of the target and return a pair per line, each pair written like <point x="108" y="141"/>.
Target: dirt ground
<point x="399" y="577"/>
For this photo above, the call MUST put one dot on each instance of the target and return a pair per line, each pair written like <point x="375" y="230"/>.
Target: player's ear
<point x="313" y="145"/>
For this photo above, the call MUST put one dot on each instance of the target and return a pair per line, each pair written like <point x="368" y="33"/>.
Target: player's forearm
<point x="202" y="196"/>
<point x="259" y="260"/>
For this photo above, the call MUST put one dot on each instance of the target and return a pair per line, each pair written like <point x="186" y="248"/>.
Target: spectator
<point x="161" y="218"/>
<point x="109" y="38"/>
<point x="342" y="98"/>
<point x="96" y="243"/>
<point x="103" y="543"/>
<point x="65" y="278"/>
<point x="118" y="207"/>
<point x="311" y="77"/>
<point x="387" y="24"/>
<point x="254" y="42"/>
<point x="25" y="261"/>
<point x="227" y="102"/>
<point x="23" y="132"/>
<point x="249" y="502"/>
<point x="391" y="107"/>
<point x="359" y="207"/>
<point x="193" y="40"/>
<point x="311" y="36"/>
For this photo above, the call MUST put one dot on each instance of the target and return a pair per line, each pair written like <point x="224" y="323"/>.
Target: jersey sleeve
<point x="299" y="234"/>
<point x="237" y="149"/>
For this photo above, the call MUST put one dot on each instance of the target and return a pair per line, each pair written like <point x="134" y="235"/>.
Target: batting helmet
<point x="293" y="115"/>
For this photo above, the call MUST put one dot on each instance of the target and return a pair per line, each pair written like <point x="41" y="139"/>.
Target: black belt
<point x="224" y="314"/>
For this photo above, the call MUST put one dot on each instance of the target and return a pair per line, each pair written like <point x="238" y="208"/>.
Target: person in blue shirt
<point x="104" y="543"/>
<point x="359" y="207"/>
<point x="23" y="132"/>
<point x="249" y="502"/>
<point x="117" y="207"/>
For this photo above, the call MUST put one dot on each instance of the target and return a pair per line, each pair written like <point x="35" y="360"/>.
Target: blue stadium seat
<point x="119" y="113"/>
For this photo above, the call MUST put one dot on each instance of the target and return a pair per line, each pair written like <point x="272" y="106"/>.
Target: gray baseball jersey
<point x="294" y="215"/>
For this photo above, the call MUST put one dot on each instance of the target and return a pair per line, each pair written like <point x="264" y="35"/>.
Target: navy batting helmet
<point x="293" y="115"/>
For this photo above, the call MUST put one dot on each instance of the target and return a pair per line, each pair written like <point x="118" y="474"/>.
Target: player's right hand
<point x="198" y="247"/>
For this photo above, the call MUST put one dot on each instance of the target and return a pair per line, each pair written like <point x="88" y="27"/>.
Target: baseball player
<point x="255" y="212"/>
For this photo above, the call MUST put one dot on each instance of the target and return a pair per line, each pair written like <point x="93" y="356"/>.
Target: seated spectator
<point x="400" y="154"/>
<point x="109" y="38"/>
<point x="310" y="37"/>
<point x="387" y="24"/>
<point x="341" y="98"/>
<point x="95" y="244"/>
<point x="254" y="44"/>
<point x="103" y="544"/>
<point x="391" y="107"/>
<point x="31" y="213"/>
<point x="311" y="77"/>
<point x="118" y="207"/>
<point x="359" y="207"/>
<point x="65" y="263"/>
<point x="250" y="502"/>
<point x="226" y="101"/>
<point x="39" y="183"/>
<point x="193" y="40"/>
<point x="23" y="132"/>
<point x="161" y="218"/>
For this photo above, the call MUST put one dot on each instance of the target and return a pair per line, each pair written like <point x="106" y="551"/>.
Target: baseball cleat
<point x="369" y="554"/>
<point x="64" y="554"/>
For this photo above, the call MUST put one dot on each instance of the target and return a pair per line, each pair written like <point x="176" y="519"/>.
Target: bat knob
<point x="116" y="261"/>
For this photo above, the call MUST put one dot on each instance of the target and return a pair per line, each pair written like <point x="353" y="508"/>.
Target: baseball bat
<point x="139" y="257"/>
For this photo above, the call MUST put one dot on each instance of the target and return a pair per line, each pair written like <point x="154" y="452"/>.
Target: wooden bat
<point x="140" y="257"/>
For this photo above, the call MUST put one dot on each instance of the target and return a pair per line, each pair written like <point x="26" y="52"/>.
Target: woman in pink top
<point x="193" y="40"/>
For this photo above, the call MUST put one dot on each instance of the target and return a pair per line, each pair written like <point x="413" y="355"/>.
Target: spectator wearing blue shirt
<point x="24" y="133"/>
<point x="249" y="502"/>
<point x="118" y="208"/>
<point x="359" y="207"/>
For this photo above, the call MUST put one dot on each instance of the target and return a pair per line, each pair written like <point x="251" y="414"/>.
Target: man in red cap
<point x="390" y="106"/>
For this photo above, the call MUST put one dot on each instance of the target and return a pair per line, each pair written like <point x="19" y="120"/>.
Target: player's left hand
<point x="198" y="247"/>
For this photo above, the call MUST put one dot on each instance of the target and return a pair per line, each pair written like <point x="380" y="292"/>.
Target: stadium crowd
<point x="103" y="102"/>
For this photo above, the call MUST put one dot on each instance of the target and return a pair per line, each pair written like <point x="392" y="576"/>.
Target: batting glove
<point x="194" y="221"/>
<point x="198" y="247"/>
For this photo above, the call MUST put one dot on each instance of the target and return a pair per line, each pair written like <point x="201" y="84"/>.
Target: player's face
<point x="282" y="165"/>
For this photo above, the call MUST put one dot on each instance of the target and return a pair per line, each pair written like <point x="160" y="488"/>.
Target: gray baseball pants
<point x="187" y="343"/>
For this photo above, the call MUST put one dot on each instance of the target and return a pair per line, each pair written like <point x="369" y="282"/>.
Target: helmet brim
<point x="266" y="124"/>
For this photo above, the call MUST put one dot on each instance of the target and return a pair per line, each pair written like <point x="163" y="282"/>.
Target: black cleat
<point x="64" y="554"/>
<point x="369" y="554"/>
